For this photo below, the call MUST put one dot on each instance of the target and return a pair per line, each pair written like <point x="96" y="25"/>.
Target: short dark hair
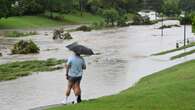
<point x="77" y="54"/>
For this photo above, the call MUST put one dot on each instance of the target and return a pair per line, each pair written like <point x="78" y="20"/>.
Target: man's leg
<point x="77" y="91"/>
<point x="70" y="86"/>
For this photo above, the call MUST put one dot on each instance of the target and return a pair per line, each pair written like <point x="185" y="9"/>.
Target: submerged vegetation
<point x="84" y="28"/>
<point x="168" y="26"/>
<point x="18" y="69"/>
<point x="19" y="34"/>
<point x="170" y="89"/>
<point x="183" y="54"/>
<point x="25" y="47"/>
<point x="174" y="50"/>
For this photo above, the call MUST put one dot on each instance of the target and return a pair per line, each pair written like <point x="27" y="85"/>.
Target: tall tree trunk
<point x="81" y="6"/>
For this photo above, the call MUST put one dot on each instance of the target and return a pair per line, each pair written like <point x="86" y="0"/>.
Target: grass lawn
<point x="170" y="89"/>
<point x="18" y="69"/>
<point x="40" y="21"/>
<point x="174" y="50"/>
<point x="87" y="18"/>
<point x="28" y="22"/>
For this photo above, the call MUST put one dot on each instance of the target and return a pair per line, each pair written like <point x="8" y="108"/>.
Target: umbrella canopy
<point x="80" y="49"/>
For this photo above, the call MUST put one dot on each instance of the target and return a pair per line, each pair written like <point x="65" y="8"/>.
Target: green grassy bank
<point x="28" y="22"/>
<point x="41" y="22"/>
<point x="170" y="89"/>
<point x="18" y="69"/>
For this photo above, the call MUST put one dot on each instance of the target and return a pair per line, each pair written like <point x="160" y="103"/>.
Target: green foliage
<point x="187" y="19"/>
<point x="155" y="5"/>
<point x="84" y="28"/>
<point x="122" y="21"/>
<point x="67" y="36"/>
<point x="98" y="25"/>
<point x="110" y="15"/>
<point x="29" y="7"/>
<point x="18" y="69"/>
<point x="187" y="5"/>
<point x="25" y="47"/>
<point x="19" y="34"/>
<point x="170" y="89"/>
<point x="193" y="25"/>
<point x="171" y="7"/>
<point x="1" y="54"/>
<point x="5" y="8"/>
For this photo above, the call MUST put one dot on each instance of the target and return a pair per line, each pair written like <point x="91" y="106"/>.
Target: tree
<point x="187" y="5"/>
<point x="155" y="5"/>
<point x="5" y="8"/>
<point x="171" y="7"/>
<point x="110" y="15"/>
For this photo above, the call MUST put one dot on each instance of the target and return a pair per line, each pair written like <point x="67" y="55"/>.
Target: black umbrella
<point x="80" y="49"/>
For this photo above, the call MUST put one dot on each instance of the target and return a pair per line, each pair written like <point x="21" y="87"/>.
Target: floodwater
<point x="125" y="57"/>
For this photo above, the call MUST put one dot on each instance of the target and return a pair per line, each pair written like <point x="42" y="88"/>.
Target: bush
<point x="122" y="21"/>
<point x="137" y="20"/>
<point x="67" y="36"/>
<point x="25" y="47"/>
<point x="84" y="28"/>
<point x="111" y="16"/>
<point x="168" y="26"/>
<point x="193" y="25"/>
<point x="19" y="34"/>
<point x="98" y="25"/>
<point x="0" y="54"/>
<point x="187" y="19"/>
<point x="57" y="33"/>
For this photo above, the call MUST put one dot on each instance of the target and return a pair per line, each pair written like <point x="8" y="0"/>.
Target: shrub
<point x="84" y="28"/>
<point x="0" y="54"/>
<point x="137" y="20"/>
<point x="98" y="25"/>
<point x="111" y="16"/>
<point x="122" y="21"/>
<point x="25" y="47"/>
<point x="66" y="36"/>
<point x="193" y="25"/>
<point x="187" y="19"/>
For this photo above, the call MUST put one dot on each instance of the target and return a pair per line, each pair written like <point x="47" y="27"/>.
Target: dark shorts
<point x="74" y="79"/>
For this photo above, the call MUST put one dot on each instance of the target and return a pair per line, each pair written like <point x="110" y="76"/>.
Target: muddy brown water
<point x="124" y="59"/>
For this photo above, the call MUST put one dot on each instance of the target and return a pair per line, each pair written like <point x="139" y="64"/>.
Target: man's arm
<point x="67" y="66"/>
<point x="84" y="65"/>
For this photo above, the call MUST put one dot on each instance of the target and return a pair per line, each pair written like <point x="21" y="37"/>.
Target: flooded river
<point x="125" y="57"/>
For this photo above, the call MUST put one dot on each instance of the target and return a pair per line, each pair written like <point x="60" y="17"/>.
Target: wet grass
<point x="19" y="69"/>
<point x="174" y="50"/>
<point x="183" y="54"/>
<point x="170" y="89"/>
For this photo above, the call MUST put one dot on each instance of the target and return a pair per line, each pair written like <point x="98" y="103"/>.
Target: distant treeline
<point x="33" y="7"/>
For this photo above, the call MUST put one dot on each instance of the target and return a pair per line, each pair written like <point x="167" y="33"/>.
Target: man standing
<point x="74" y="71"/>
